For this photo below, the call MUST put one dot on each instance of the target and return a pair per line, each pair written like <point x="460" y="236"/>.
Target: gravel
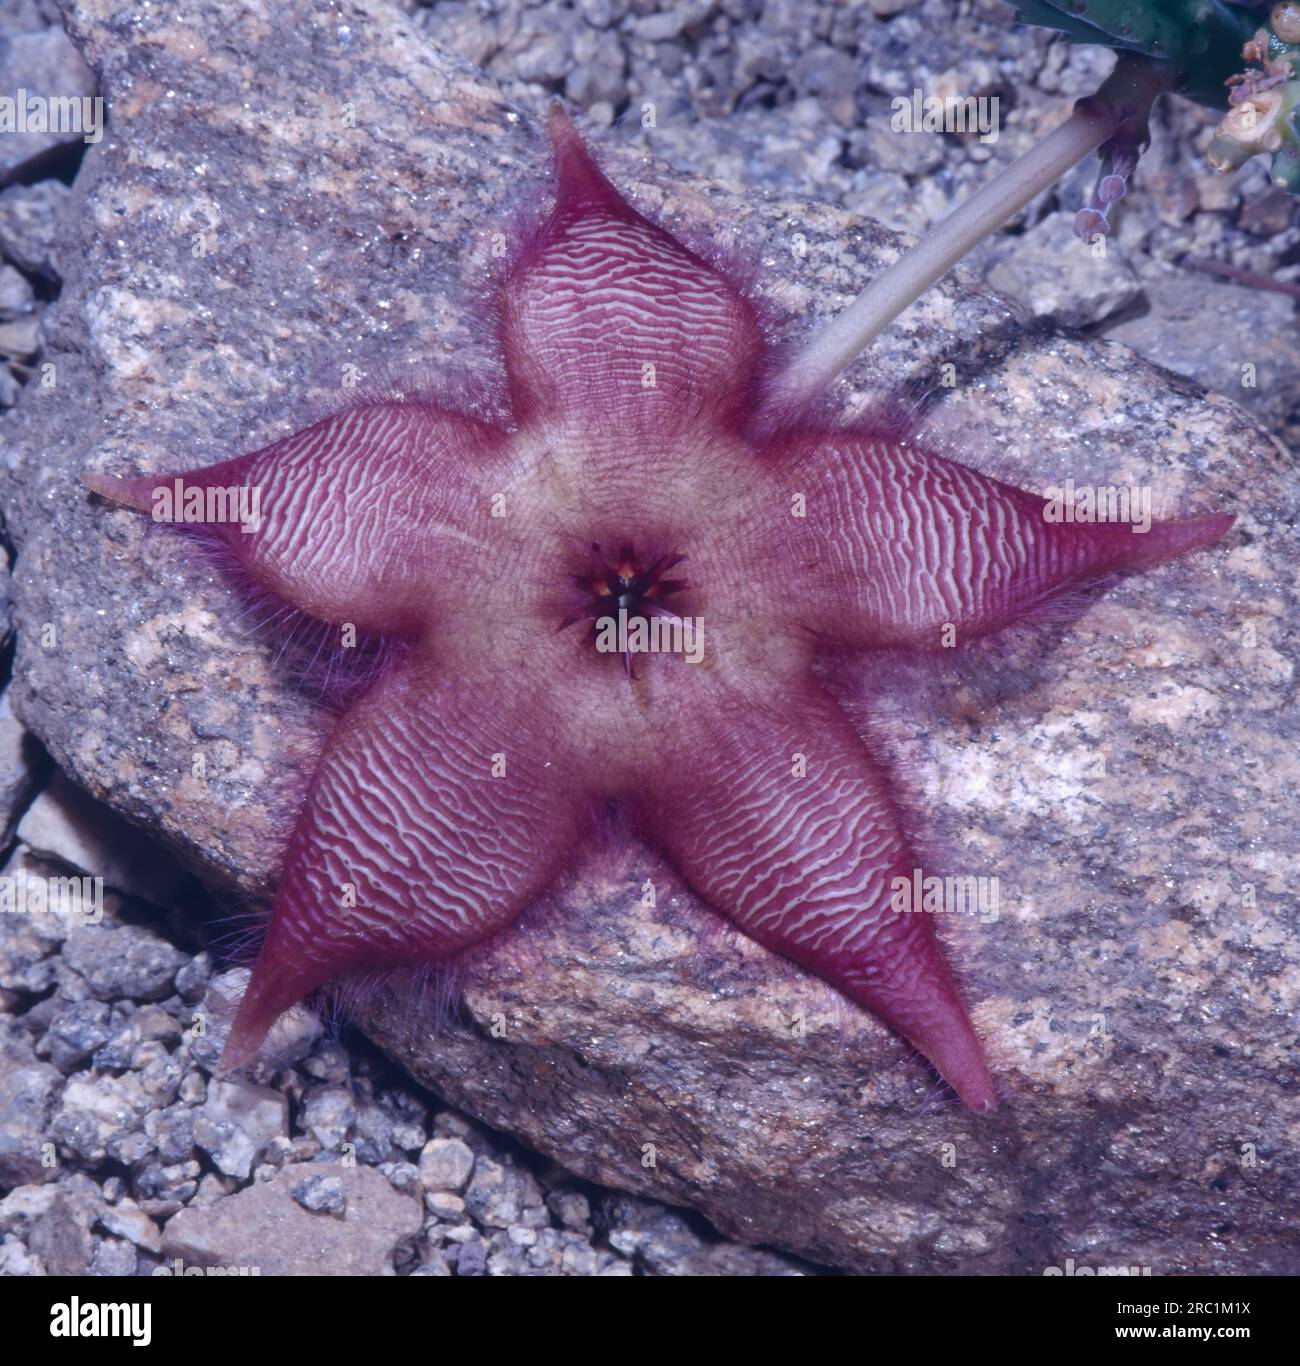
<point x="238" y="1123"/>
<point x="121" y="1154"/>
<point x="29" y="218"/>
<point x="28" y="1090"/>
<point x="797" y="95"/>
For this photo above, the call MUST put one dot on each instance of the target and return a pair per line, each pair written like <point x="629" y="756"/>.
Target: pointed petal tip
<point x="1214" y="527"/>
<point x="246" y="1037"/>
<point x="129" y="492"/>
<point x="968" y="1075"/>
<point x="950" y="1043"/>
<point x="1168" y="540"/>
<point x="270" y="992"/>
<point x="978" y="1095"/>
<point x="580" y="183"/>
<point x="560" y="127"/>
<point x="1201" y="530"/>
<point x="567" y="143"/>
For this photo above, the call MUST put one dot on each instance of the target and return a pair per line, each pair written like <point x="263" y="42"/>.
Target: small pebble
<point x="323" y="1194"/>
<point x="446" y="1164"/>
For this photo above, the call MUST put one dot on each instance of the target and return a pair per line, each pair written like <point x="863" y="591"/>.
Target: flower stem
<point x="1125" y="98"/>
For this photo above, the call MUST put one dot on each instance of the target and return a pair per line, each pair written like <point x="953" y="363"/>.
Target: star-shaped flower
<point x="619" y="593"/>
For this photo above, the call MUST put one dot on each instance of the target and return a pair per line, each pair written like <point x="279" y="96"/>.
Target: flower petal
<point x="435" y="816"/>
<point x="779" y="818"/>
<point x="338" y="519"/>
<point x="611" y="326"/>
<point x="896" y="543"/>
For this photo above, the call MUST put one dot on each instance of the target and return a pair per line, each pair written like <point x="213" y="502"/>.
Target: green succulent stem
<point x="1121" y="106"/>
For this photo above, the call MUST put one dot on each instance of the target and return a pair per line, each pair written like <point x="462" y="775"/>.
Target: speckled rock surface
<point x="237" y="243"/>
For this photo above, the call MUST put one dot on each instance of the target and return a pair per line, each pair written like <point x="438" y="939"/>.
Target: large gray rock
<point x="66" y="825"/>
<point x="1233" y="339"/>
<point x="19" y="764"/>
<point x="1060" y="279"/>
<point x="43" y="65"/>
<point x="1129" y="787"/>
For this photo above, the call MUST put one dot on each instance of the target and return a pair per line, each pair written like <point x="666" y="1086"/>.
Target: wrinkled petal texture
<point x="429" y="827"/>
<point x="898" y="543"/>
<point x="792" y="830"/>
<point x="342" y="511"/>
<point x="609" y="323"/>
